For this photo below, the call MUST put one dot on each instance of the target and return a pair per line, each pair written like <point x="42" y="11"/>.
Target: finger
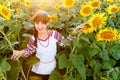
<point x="17" y="57"/>
<point x="14" y="56"/>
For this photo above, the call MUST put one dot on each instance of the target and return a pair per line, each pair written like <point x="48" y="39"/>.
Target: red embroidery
<point x="45" y="45"/>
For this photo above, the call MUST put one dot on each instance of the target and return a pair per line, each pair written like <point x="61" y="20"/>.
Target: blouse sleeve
<point x="59" y="38"/>
<point x="30" y="49"/>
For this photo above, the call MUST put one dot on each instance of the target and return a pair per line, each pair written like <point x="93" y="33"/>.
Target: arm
<point x="25" y="52"/>
<point x="30" y="47"/>
<point x="59" y="38"/>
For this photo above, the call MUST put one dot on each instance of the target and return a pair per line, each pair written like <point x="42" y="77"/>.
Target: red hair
<point x="41" y="16"/>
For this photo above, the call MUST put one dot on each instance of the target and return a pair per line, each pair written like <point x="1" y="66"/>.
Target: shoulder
<point x="32" y="39"/>
<point x="53" y="33"/>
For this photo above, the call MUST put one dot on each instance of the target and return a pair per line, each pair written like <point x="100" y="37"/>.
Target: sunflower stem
<point x="68" y="11"/>
<point x="13" y="49"/>
<point x="7" y="40"/>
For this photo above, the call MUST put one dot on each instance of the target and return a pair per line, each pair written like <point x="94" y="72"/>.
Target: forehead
<point x="40" y="23"/>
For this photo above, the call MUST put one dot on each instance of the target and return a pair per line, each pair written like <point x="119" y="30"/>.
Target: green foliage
<point x="55" y="75"/>
<point x="83" y="58"/>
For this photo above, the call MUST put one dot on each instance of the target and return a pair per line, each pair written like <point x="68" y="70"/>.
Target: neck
<point x="43" y="35"/>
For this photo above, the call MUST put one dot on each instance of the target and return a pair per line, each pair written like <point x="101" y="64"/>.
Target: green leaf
<point x="106" y="65"/>
<point x="31" y="60"/>
<point x="62" y="61"/>
<point x="14" y="43"/>
<point x="69" y="77"/>
<point x="4" y="65"/>
<point x="66" y="42"/>
<point x="104" y="55"/>
<point x="26" y="35"/>
<point x="28" y="25"/>
<point x="13" y="73"/>
<point x="84" y="51"/>
<point x="76" y="43"/>
<point x="55" y="75"/>
<point x="85" y="39"/>
<point x="115" y="74"/>
<point x="116" y="54"/>
<point x="95" y="66"/>
<point x="65" y="18"/>
<point x="78" y="61"/>
<point x="94" y="49"/>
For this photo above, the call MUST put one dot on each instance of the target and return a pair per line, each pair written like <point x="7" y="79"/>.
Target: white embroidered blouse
<point x="45" y="51"/>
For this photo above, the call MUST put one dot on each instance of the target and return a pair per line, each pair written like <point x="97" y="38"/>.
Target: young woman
<point x="43" y="42"/>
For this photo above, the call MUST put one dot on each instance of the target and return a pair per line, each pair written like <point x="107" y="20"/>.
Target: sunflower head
<point x="112" y="9"/>
<point x="27" y="3"/>
<point x="107" y="35"/>
<point x="112" y="17"/>
<point x="86" y="10"/>
<point x="56" y="6"/>
<point x="97" y="20"/>
<point x="109" y="1"/>
<point x="83" y="3"/>
<point x="87" y="28"/>
<point x="68" y="3"/>
<point x="52" y="18"/>
<point x="18" y="10"/>
<point x="95" y="3"/>
<point x="5" y="12"/>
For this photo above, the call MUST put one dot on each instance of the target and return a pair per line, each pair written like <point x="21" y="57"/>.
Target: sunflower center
<point x="95" y="4"/>
<point x="96" y="22"/>
<point x="87" y="10"/>
<point x="69" y="2"/>
<point x="114" y="9"/>
<point x="4" y="12"/>
<point x="86" y="26"/>
<point x="107" y="35"/>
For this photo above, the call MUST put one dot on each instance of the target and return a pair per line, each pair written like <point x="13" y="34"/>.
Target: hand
<point x="17" y="54"/>
<point x="78" y="29"/>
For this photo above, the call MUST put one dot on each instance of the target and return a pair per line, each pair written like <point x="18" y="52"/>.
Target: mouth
<point x="40" y="29"/>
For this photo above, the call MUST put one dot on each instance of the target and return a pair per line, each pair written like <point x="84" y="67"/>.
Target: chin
<point x="41" y="30"/>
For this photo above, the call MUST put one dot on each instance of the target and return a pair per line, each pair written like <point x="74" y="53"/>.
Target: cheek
<point x="45" y="26"/>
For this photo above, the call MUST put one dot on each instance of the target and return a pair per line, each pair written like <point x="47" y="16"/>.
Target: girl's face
<point x="40" y="27"/>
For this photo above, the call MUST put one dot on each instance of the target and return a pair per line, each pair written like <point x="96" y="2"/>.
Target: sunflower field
<point x="92" y="54"/>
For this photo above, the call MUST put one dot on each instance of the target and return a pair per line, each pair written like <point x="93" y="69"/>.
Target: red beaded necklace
<point x="46" y="40"/>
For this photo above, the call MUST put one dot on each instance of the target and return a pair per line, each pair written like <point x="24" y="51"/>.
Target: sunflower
<point x="87" y="28"/>
<point x="68" y="3"/>
<point x="86" y="10"/>
<point x="83" y="3"/>
<point x="56" y="6"/>
<point x="97" y="20"/>
<point x="18" y="10"/>
<point x="52" y="18"/>
<point x="107" y="35"/>
<point x="95" y="3"/>
<point x="27" y="3"/>
<point x="112" y="17"/>
<point x="112" y="9"/>
<point x="5" y="12"/>
<point x="108" y="1"/>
